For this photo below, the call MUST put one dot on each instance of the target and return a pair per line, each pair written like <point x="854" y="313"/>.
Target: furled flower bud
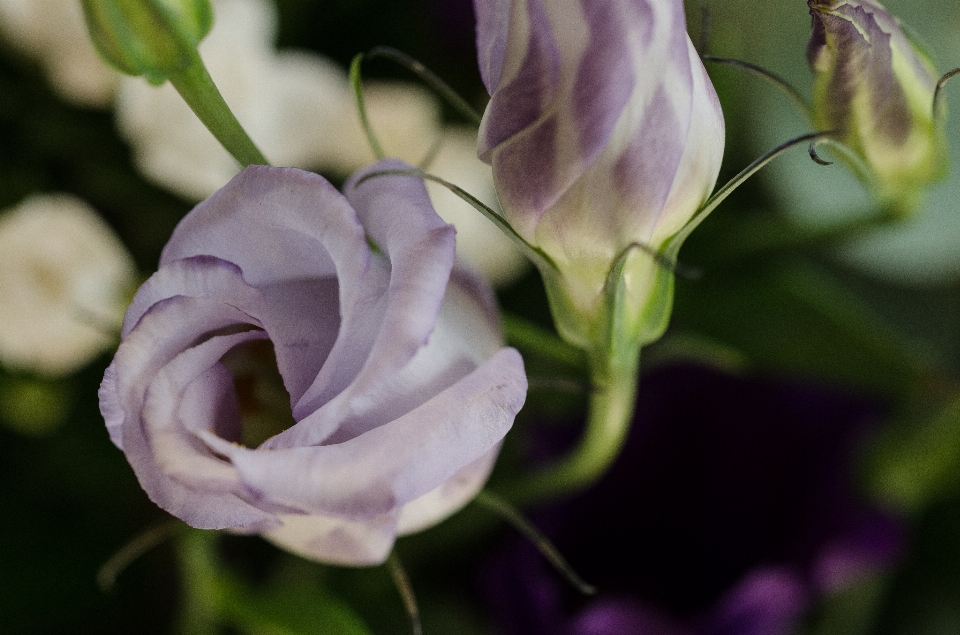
<point x="875" y="88"/>
<point x="153" y="38"/>
<point x="604" y="132"/>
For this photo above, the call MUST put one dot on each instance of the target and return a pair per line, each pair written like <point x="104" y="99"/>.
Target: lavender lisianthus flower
<point x="399" y="387"/>
<point x="875" y="87"/>
<point x="731" y="511"/>
<point x="603" y="131"/>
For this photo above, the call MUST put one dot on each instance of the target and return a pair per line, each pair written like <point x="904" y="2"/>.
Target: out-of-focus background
<point x="798" y="430"/>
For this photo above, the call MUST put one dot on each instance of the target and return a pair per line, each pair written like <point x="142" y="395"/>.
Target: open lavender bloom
<point x="730" y="512"/>
<point x="875" y="88"/>
<point x="399" y="388"/>
<point x="603" y="131"/>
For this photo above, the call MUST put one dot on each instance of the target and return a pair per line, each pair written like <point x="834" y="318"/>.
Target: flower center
<point x="263" y="400"/>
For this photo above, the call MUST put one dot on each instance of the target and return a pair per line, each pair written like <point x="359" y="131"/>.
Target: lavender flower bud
<point x="603" y="131"/>
<point x="153" y="38"/>
<point x="875" y="88"/>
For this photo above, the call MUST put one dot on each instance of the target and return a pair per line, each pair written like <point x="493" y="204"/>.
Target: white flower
<point x="54" y="33"/>
<point x="64" y="278"/>
<point x="288" y="102"/>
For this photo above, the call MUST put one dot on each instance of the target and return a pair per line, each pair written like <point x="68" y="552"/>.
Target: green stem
<point x="201" y="592"/>
<point x="198" y="90"/>
<point x="608" y="421"/>
<point x="512" y="515"/>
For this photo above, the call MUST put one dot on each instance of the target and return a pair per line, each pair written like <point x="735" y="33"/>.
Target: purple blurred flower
<point x="875" y="87"/>
<point x="729" y="512"/>
<point x="399" y="386"/>
<point x="603" y="130"/>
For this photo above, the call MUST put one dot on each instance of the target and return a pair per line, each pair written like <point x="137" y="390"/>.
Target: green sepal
<point x="150" y="38"/>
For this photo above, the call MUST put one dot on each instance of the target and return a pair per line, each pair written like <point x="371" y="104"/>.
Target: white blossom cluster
<point x="65" y="279"/>
<point x="61" y="268"/>
<point x="296" y="105"/>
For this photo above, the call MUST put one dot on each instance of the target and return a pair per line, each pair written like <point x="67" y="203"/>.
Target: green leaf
<point x="852" y="611"/>
<point x="288" y="609"/>
<point x="798" y="319"/>
<point x="918" y="462"/>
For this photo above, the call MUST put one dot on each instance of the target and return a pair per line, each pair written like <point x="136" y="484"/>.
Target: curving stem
<point x="201" y="94"/>
<point x="609" y="417"/>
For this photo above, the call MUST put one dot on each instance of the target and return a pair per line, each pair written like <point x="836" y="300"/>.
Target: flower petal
<point x="176" y="339"/>
<point x="397" y="214"/>
<point x="282" y="226"/>
<point x="335" y="540"/>
<point x="440" y="502"/>
<point x="767" y="602"/>
<point x="391" y="465"/>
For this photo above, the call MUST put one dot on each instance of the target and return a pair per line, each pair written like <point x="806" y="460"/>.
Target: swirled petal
<point x="282" y="226"/>
<point x="398" y="217"/>
<point x="374" y="473"/>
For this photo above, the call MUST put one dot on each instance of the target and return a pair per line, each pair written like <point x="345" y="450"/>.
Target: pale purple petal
<point x="432" y="507"/>
<point x="400" y="388"/>
<point x="193" y="392"/>
<point x="391" y="465"/>
<point x="283" y="226"/>
<point x="193" y="277"/>
<point x="398" y="217"/>
<point x="164" y="346"/>
<point x="625" y="90"/>
<point x="466" y="333"/>
<point x="336" y="540"/>
<point x="493" y="20"/>
<point x="110" y="407"/>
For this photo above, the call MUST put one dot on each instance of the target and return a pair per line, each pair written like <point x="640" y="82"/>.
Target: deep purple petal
<point x="528" y="82"/>
<point x="766" y="602"/>
<point x="866" y="548"/>
<point x="624" y="617"/>
<point x="632" y="118"/>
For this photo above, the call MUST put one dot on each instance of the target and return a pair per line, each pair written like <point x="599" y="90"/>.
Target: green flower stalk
<point x="605" y="137"/>
<point x="158" y="39"/>
<point x="875" y="89"/>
